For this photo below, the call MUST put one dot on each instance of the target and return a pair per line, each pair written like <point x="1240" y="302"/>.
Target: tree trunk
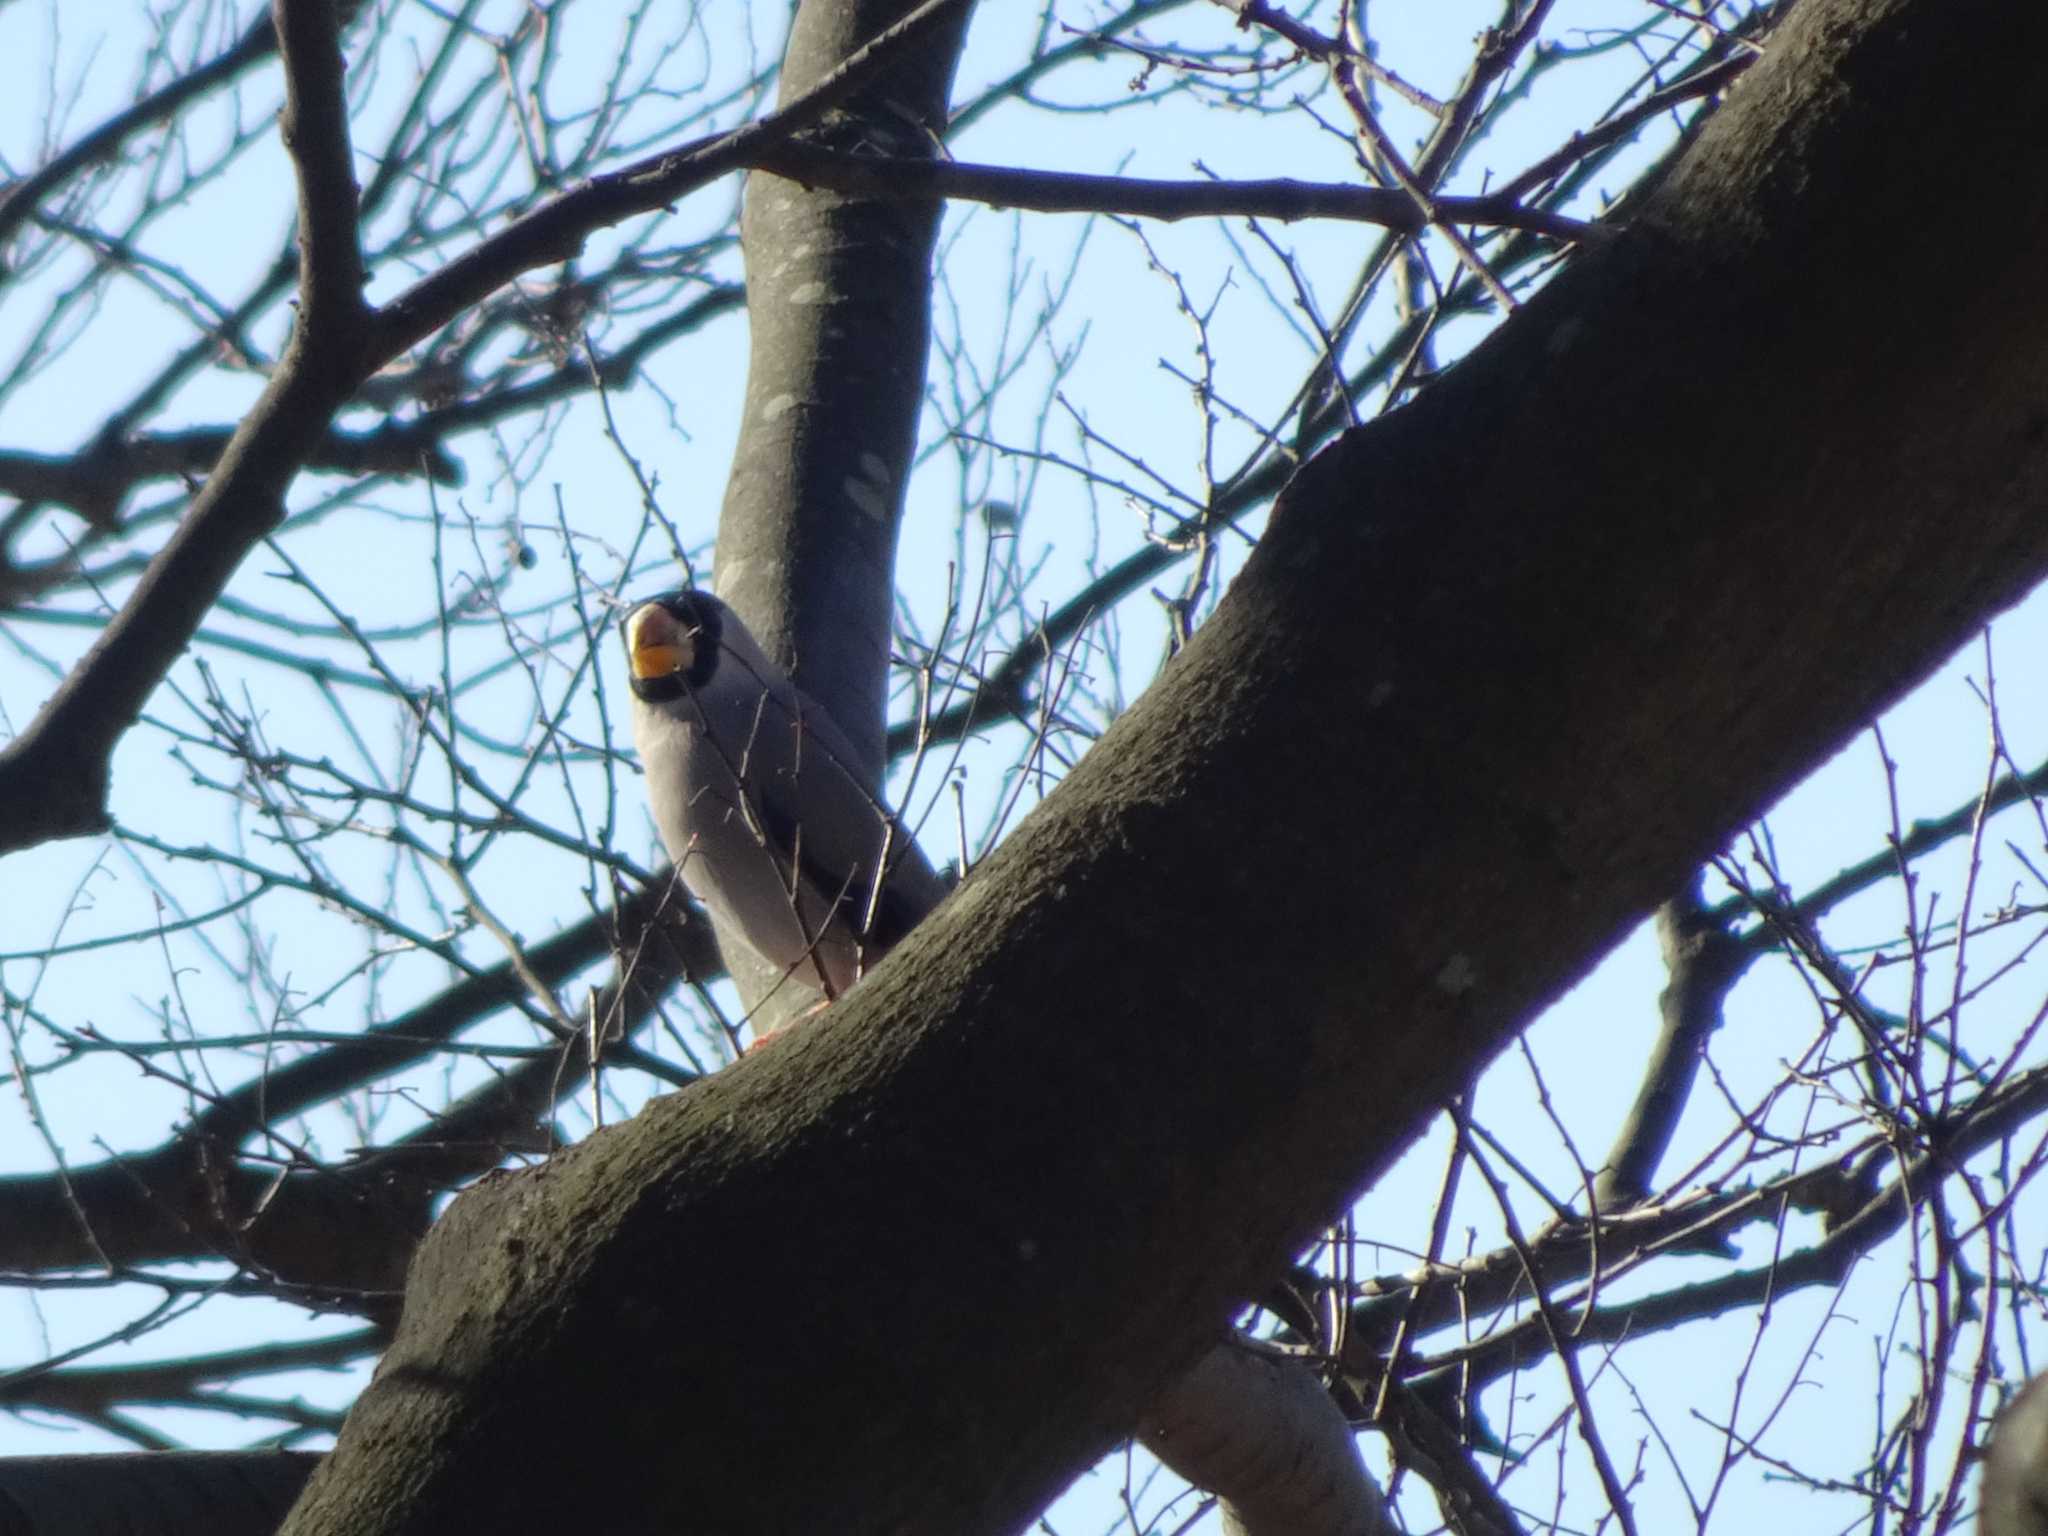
<point x="838" y="316"/>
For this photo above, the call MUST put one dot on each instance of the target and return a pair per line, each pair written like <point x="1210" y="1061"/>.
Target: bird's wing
<point x="810" y="797"/>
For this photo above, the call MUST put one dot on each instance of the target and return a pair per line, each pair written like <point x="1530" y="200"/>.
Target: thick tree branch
<point x="346" y="1234"/>
<point x="95" y="481"/>
<point x="314" y="127"/>
<point x="85" y="1390"/>
<point x="1259" y="1430"/>
<point x="154" y="1493"/>
<point x="53" y="777"/>
<point x="839" y="306"/>
<point x="1191" y="1006"/>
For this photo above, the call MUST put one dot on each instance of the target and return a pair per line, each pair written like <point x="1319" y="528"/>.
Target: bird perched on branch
<point x="761" y="802"/>
<point x="2015" y="1495"/>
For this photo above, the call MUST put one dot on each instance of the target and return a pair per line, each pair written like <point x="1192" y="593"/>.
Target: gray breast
<point x="773" y="831"/>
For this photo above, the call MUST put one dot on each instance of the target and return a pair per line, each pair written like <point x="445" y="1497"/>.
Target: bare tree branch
<point x="53" y="776"/>
<point x="18" y="202"/>
<point x="1069" y="192"/>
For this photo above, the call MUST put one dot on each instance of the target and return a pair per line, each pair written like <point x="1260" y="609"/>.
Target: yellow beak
<point x="656" y="645"/>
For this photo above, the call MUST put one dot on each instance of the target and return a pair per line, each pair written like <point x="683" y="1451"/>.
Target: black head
<point x="672" y="643"/>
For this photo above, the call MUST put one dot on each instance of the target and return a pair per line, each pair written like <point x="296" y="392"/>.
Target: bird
<point x="2015" y="1494"/>
<point x="760" y="801"/>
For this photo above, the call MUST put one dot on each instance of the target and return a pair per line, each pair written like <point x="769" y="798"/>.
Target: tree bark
<point x="222" y="1493"/>
<point x="1504" y="669"/>
<point x="1261" y="1431"/>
